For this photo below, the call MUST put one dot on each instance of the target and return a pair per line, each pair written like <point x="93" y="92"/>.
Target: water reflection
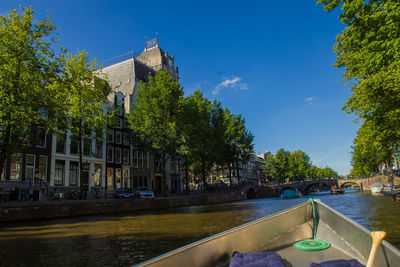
<point x="130" y="238"/>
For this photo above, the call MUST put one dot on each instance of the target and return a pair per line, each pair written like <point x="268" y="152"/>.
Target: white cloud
<point x="310" y="99"/>
<point x="231" y="83"/>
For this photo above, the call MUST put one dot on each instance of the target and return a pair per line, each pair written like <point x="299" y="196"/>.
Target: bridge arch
<point x="307" y="186"/>
<point x="251" y="193"/>
<point x="292" y="187"/>
<point x="351" y="183"/>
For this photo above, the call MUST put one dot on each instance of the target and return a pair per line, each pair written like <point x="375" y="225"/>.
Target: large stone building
<point x="136" y="168"/>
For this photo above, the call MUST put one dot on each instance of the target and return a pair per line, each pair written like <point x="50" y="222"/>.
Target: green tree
<point x="282" y="163"/>
<point x="155" y="117"/>
<point x="199" y="133"/>
<point x="368" y="51"/>
<point x="85" y="102"/>
<point x="299" y="163"/>
<point x="28" y="70"/>
<point x="218" y="134"/>
<point x="238" y="145"/>
<point x="368" y="153"/>
<point x="270" y="166"/>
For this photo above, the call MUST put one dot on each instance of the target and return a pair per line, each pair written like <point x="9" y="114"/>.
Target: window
<point x="60" y="147"/>
<point x="110" y="136"/>
<point x="41" y="137"/>
<point x="125" y="177"/>
<point x="15" y="166"/>
<point x="59" y="172"/>
<point x="118" y="155"/>
<point x="87" y="146"/>
<point x="30" y="167"/>
<point x="3" y="173"/>
<point x="144" y="164"/>
<point x="99" y="149"/>
<point x="125" y="156"/>
<point x="42" y="170"/>
<point x="118" y="121"/>
<point x="73" y="173"/>
<point x="74" y="147"/>
<point x="134" y="159"/>
<point x="118" y="137"/>
<point x="97" y="175"/>
<point x="110" y="154"/>
<point x="110" y="178"/>
<point x="24" y="136"/>
<point x="124" y="124"/>
<point x="43" y="113"/>
<point x="118" y="177"/>
<point x="126" y="139"/>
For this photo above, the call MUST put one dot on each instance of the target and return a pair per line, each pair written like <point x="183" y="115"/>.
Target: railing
<point x="108" y="62"/>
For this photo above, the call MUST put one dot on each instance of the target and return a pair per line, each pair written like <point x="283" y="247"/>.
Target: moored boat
<point x="335" y="191"/>
<point x="278" y="233"/>
<point x="376" y="187"/>
<point x="290" y="193"/>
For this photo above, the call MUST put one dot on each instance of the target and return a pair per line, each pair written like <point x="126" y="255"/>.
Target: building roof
<point x="121" y="76"/>
<point x="142" y="71"/>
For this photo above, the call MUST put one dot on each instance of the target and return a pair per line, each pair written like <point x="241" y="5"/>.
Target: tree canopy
<point x="85" y="94"/>
<point x="28" y="69"/>
<point x="368" y="50"/>
<point x="155" y="117"/>
<point x="294" y="165"/>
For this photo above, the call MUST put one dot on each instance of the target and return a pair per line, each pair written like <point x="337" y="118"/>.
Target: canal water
<point x="125" y="239"/>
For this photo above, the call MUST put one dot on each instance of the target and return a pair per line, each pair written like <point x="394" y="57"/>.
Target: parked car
<point x="122" y="193"/>
<point x="144" y="192"/>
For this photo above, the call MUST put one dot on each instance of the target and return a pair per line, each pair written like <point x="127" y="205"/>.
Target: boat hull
<point x="337" y="191"/>
<point x="277" y="233"/>
<point x="376" y="189"/>
<point x="290" y="194"/>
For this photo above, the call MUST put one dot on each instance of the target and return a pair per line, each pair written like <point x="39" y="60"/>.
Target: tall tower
<point x="154" y="57"/>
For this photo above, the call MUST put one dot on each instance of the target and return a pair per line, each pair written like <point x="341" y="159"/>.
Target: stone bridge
<point x="253" y="191"/>
<point x="275" y="190"/>
<point x="365" y="183"/>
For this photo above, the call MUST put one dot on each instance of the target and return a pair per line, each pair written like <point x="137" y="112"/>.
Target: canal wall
<point x="20" y="211"/>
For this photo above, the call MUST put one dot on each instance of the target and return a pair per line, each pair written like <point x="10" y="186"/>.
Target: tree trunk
<point x="186" y="179"/>
<point x="204" y="175"/>
<point x="4" y="150"/>
<point x="230" y="174"/>
<point x="80" y="161"/>
<point x="164" y="186"/>
<point x="237" y="171"/>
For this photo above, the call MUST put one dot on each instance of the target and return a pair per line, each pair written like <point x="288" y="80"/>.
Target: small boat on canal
<point x="290" y="193"/>
<point x="377" y="187"/>
<point x="335" y="191"/>
<point x="311" y="223"/>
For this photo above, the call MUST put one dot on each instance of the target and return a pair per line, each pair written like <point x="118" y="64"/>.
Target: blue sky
<point x="268" y="60"/>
